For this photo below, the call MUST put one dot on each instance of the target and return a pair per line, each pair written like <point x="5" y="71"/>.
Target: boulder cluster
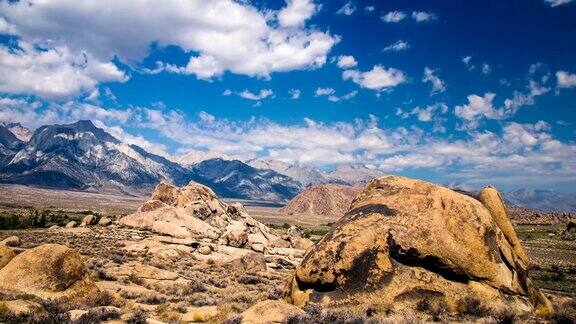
<point x="194" y="218"/>
<point x="89" y="220"/>
<point x="406" y="242"/>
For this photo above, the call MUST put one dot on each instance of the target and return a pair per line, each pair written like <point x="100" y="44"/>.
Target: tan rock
<point x="151" y="205"/>
<point x="50" y="271"/>
<point x="12" y="241"/>
<point x="492" y="200"/>
<point x="104" y="221"/>
<point x="71" y="224"/>
<point x="269" y="311"/>
<point x="204" y="250"/>
<point x="89" y="220"/>
<point x="404" y="240"/>
<point x="252" y="262"/>
<point x="21" y="307"/>
<point x="237" y="237"/>
<point x="6" y="255"/>
<point x="302" y="243"/>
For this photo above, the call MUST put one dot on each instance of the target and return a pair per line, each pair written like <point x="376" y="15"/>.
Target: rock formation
<point x="195" y="214"/>
<point x="404" y="241"/>
<point x="324" y="199"/>
<point x="50" y="271"/>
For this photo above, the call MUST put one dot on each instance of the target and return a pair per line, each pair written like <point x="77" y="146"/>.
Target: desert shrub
<point x="315" y="315"/>
<point x="235" y="319"/>
<point x="472" y="306"/>
<point x="250" y="280"/>
<point x="135" y="279"/>
<point x="55" y="314"/>
<point x="505" y="316"/>
<point x="201" y="299"/>
<point x="195" y="285"/>
<point x="219" y="283"/>
<point x="139" y="316"/>
<point x="435" y="308"/>
<point x="275" y="293"/>
<point x="105" y="298"/>
<point x="151" y="299"/>
<point x="565" y="313"/>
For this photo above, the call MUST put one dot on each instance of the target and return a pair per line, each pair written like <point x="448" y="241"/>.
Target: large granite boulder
<point x="404" y="240"/>
<point x="50" y="271"/>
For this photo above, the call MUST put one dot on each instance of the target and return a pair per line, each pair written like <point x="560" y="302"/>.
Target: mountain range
<point x="81" y="156"/>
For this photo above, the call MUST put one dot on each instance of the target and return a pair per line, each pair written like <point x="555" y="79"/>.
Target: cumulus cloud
<point x="437" y="84"/>
<point x="324" y="92"/>
<point x="394" y="16"/>
<point x="399" y="45"/>
<point x="522" y="152"/>
<point x="378" y="78"/>
<point x="555" y="3"/>
<point x="222" y="35"/>
<point x="422" y="16"/>
<point x="54" y="73"/>
<point x="565" y="79"/>
<point x="346" y="61"/>
<point x="482" y="107"/>
<point x="348" y="9"/>
<point x="296" y="13"/>
<point x="369" y="8"/>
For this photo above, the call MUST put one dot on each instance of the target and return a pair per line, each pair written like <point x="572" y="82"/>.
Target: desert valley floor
<point x="139" y="281"/>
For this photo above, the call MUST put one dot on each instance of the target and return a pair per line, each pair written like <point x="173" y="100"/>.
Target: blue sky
<point x="472" y="92"/>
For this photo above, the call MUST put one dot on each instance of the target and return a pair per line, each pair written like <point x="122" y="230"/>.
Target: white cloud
<point x="224" y="35"/>
<point x="399" y="45"/>
<point x="378" y="78"/>
<point x="565" y="79"/>
<point x="264" y="93"/>
<point x="369" y="8"/>
<point x="482" y="107"/>
<point x="324" y="92"/>
<point x="346" y="61"/>
<point x="348" y="9"/>
<point x="528" y="153"/>
<point x="294" y="94"/>
<point x="424" y="114"/>
<point x="227" y="92"/>
<point x="54" y="73"/>
<point x="467" y="61"/>
<point x="421" y="16"/>
<point x="296" y="13"/>
<point x="486" y="69"/>
<point x="437" y="84"/>
<point x="394" y="16"/>
<point x="555" y="3"/>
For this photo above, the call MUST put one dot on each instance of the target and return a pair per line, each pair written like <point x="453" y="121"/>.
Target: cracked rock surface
<point x="405" y="240"/>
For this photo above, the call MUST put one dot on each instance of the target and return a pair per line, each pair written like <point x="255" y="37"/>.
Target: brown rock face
<point x="50" y="271"/>
<point x="405" y="240"/>
<point x="325" y="199"/>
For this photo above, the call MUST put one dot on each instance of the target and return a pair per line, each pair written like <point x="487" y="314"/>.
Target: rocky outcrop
<point x="195" y="214"/>
<point x="50" y="271"/>
<point x="404" y="240"/>
<point x="324" y="199"/>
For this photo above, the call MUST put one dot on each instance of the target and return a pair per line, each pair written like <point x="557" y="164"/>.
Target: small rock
<point x="89" y="220"/>
<point x="204" y="249"/>
<point x="252" y="262"/>
<point x="71" y="224"/>
<point x="75" y="314"/>
<point x="105" y="221"/>
<point x="258" y="247"/>
<point x="54" y="227"/>
<point x="12" y="241"/>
